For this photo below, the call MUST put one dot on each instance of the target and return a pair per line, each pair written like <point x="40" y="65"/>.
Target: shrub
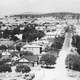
<point x="73" y="62"/>
<point x="5" y="68"/>
<point x="23" y="68"/>
<point x="48" y="59"/>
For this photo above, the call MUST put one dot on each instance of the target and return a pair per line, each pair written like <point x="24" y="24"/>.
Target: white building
<point x="51" y="34"/>
<point x="6" y="53"/>
<point x="34" y="48"/>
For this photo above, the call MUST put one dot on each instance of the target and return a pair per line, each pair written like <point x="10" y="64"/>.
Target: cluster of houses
<point x="14" y="55"/>
<point x="50" y="25"/>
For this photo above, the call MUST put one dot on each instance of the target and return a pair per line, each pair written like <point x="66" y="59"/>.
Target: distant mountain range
<point x="55" y="14"/>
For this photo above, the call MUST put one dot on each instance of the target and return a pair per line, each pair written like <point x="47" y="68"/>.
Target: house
<point x="28" y="60"/>
<point x="34" y="48"/>
<point x="6" y="53"/>
<point x="51" y="34"/>
<point x="6" y="42"/>
<point x="24" y="61"/>
<point x="19" y="36"/>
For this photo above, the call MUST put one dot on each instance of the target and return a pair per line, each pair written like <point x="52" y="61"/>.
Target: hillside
<point x="56" y="14"/>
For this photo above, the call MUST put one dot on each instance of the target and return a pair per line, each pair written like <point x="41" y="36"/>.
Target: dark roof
<point x="33" y="58"/>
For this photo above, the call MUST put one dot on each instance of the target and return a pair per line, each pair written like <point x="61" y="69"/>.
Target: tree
<point x="15" y="53"/>
<point x="0" y="55"/>
<point x="15" y="31"/>
<point x="0" y="35"/>
<point x="58" y="42"/>
<point x="40" y="34"/>
<point x="4" y="61"/>
<point x="30" y="34"/>
<point x="23" y="68"/>
<point x="18" y="47"/>
<point x="14" y="38"/>
<point x="3" y="47"/>
<point x="6" y="33"/>
<point x="48" y="59"/>
<point x="73" y="62"/>
<point x="5" y="68"/>
<point x="76" y="42"/>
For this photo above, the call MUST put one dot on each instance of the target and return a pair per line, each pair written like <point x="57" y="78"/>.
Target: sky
<point x="38" y="6"/>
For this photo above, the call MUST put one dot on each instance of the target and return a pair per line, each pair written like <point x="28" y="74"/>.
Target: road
<point x="67" y="41"/>
<point x="59" y="73"/>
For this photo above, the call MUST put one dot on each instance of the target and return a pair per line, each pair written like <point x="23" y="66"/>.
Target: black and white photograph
<point x="39" y="39"/>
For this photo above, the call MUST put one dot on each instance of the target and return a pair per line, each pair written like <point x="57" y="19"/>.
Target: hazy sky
<point x="42" y="6"/>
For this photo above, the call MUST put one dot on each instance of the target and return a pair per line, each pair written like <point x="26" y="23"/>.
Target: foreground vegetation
<point x="23" y="68"/>
<point x="73" y="62"/>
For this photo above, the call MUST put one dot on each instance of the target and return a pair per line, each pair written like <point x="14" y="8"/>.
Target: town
<point x="32" y="42"/>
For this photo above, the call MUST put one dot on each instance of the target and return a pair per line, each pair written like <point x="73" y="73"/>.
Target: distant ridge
<point x="54" y="14"/>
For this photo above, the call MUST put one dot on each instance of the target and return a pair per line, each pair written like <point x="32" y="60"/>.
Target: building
<point x="34" y="48"/>
<point x="6" y="54"/>
<point x="6" y="42"/>
<point x="28" y="60"/>
<point x="24" y="61"/>
<point x="51" y="34"/>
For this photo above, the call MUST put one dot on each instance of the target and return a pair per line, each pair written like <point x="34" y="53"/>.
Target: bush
<point x="23" y="68"/>
<point x="73" y="62"/>
<point x="5" y="68"/>
<point x="48" y="59"/>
